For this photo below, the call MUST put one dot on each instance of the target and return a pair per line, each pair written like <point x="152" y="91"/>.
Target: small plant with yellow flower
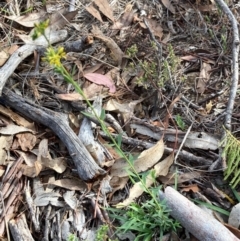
<point x="54" y="57"/>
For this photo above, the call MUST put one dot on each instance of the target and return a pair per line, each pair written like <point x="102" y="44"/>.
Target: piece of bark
<point x="19" y="229"/>
<point x="194" y="219"/>
<point x="85" y="164"/>
<point x="32" y="208"/>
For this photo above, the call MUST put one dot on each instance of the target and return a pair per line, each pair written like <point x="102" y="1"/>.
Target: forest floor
<point x="160" y="78"/>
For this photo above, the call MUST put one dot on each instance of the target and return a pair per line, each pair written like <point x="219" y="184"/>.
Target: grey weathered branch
<point x="235" y="68"/>
<point x="85" y="164"/>
<point x="203" y="226"/>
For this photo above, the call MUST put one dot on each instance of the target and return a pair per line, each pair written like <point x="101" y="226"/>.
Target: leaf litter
<point x="123" y="63"/>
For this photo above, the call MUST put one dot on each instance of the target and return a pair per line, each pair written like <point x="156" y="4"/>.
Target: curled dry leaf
<point x="44" y="159"/>
<point x="116" y="52"/>
<point x="203" y="78"/>
<point x="26" y="141"/>
<point x="101" y="80"/>
<point x="146" y="160"/>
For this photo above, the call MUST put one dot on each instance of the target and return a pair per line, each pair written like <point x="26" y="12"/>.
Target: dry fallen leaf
<point x="170" y="178"/>
<point x="116" y="52"/>
<point x="203" y="77"/>
<point x="71" y="184"/>
<point x="101" y="80"/>
<point x="135" y="192"/>
<point x="31" y="171"/>
<point x="162" y="168"/>
<point x="192" y="187"/>
<point x="146" y="160"/>
<point x="57" y="164"/>
<point x="16" y="118"/>
<point x="5" y="145"/>
<point x="105" y="8"/>
<point x="154" y="26"/>
<point x="60" y="18"/>
<point x="12" y="129"/>
<point x="38" y="168"/>
<point x="189" y="58"/>
<point x="209" y="106"/>
<point x="126" y="109"/>
<point x="44" y="159"/>
<point x="169" y="6"/>
<point x="26" y="141"/>
<point x="118" y="183"/>
<point x="29" y="158"/>
<point x="92" y="10"/>
<point x="6" y="53"/>
<point x="125" y="20"/>
<point x="28" y="20"/>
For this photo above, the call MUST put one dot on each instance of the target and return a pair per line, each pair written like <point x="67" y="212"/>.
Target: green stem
<point x="70" y="80"/>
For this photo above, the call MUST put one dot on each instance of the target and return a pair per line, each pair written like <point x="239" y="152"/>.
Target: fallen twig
<point x="235" y="51"/>
<point x="85" y="164"/>
<point x="194" y="219"/>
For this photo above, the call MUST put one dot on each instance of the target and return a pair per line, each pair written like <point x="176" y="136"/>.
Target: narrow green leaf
<point x="103" y="115"/>
<point x="119" y="139"/>
<point x="215" y="208"/>
<point x="236" y="194"/>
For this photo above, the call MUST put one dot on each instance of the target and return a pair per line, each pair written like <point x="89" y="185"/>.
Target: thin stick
<point x="235" y="51"/>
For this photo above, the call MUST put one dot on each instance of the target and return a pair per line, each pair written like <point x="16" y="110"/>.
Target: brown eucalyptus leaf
<point x="146" y="160"/>
<point x="94" y="12"/>
<point x="105" y="8"/>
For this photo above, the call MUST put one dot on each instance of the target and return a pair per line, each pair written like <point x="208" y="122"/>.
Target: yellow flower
<point x="53" y="57"/>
